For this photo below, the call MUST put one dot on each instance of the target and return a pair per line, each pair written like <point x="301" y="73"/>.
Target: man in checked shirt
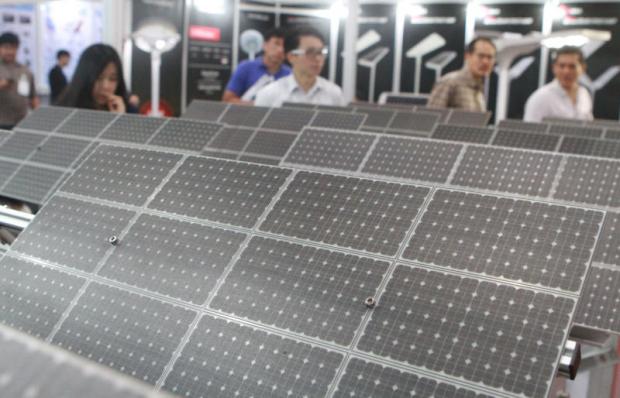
<point x="464" y="88"/>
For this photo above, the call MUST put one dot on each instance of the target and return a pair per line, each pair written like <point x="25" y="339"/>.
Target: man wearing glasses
<point x="306" y="52"/>
<point x="464" y="88"/>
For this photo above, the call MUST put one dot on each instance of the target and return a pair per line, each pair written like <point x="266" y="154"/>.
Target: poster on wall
<point x="322" y="24"/>
<point x="170" y="12"/>
<point x="261" y="22"/>
<point x="69" y="28"/>
<point x="210" y="49"/>
<point x="433" y="44"/>
<point x="19" y="19"/>
<point x="375" y="51"/>
<point x="602" y="77"/>
<point x="521" y="19"/>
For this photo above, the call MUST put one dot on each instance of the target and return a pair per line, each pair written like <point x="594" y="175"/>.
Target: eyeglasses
<point x="311" y="52"/>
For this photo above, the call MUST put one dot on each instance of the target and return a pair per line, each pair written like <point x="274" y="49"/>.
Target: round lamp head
<point x="156" y="36"/>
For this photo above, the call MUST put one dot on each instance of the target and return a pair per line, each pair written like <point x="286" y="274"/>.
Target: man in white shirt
<point x="305" y="50"/>
<point x="562" y="98"/>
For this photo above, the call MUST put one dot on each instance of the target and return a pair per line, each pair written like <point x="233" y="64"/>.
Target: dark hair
<point x="280" y="33"/>
<point x="79" y="93"/>
<point x="9" y="38"/>
<point x="572" y="50"/>
<point x="291" y="41"/>
<point x="62" y="53"/>
<point x="471" y="47"/>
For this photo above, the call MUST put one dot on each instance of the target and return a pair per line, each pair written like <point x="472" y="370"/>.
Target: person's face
<point x="106" y="84"/>
<point x="311" y="63"/>
<point x="567" y="69"/>
<point x="273" y="50"/>
<point x="63" y="61"/>
<point x="481" y="60"/>
<point x="8" y="53"/>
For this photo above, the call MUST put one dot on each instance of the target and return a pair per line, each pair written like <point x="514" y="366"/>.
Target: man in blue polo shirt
<point x="251" y="76"/>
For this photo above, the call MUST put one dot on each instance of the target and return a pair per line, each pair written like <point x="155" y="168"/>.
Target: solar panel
<point x="298" y="105"/>
<point x="592" y="181"/>
<point x="610" y="123"/>
<point x="133" y="128"/>
<point x="44" y="118"/>
<point x="376" y="118"/>
<point x="20" y="145"/>
<point x="32" y="183"/>
<point x="562" y="121"/>
<point x="443" y="113"/>
<point x="520" y="125"/>
<point x="412" y="159"/>
<point x="288" y="119"/>
<point x="506" y="238"/>
<point x="244" y="115"/>
<point x="598" y="305"/>
<point x="269" y="265"/>
<point x="348" y="212"/>
<point x="260" y="160"/>
<point x="59" y="151"/>
<point x="608" y="246"/>
<point x="190" y="135"/>
<point x="86" y="123"/>
<point x="217" y="190"/>
<point x="592" y="147"/>
<point x="221" y="155"/>
<point x="414" y="121"/>
<point x="452" y="334"/>
<point x="468" y="118"/>
<point x="330" y="149"/>
<point x="506" y="170"/>
<point x="205" y="110"/>
<point x="338" y="120"/>
<point x="363" y="378"/>
<point x="480" y="135"/>
<point x="38" y="298"/>
<point x="581" y="131"/>
<point x="106" y="324"/>
<point x="334" y="108"/>
<point x="4" y="135"/>
<point x="270" y="143"/>
<point x="120" y="174"/>
<point x="31" y="368"/>
<point x="519" y="139"/>
<point x="196" y="257"/>
<point x="268" y="365"/>
<point x="231" y="138"/>
<point x="6" y="170"/>
<point x="612" y="134"/>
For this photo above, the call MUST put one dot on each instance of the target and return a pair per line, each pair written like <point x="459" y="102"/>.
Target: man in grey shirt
<point x="17" y="91"/>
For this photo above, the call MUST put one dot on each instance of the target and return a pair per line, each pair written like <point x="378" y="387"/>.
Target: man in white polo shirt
<point x="305" y="50"/>
<point x="562" y="98"/>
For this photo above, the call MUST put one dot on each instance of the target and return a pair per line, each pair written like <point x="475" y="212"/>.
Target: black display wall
<point x="603" y="16"/>
<point x="170" y="11"/>
<point x="446" y="20"/>
<point x="210" y="54"/>
<point x="519" y="18"/>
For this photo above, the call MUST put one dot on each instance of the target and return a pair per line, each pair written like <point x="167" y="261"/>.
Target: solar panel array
<point x="350" y="216"/>
<point x="24" y="360"/>
<point x="127" y="234"/>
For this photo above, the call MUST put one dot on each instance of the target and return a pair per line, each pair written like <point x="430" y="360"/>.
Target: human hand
<point x="116" y="104"/>
<point x="4" y="84"/>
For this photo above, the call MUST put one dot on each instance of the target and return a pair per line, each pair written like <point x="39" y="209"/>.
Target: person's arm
<point x="440" y="96"/>
<point x="236" y="86"/>
<point x="233" y="98"/>
<point x="34" y="99"/>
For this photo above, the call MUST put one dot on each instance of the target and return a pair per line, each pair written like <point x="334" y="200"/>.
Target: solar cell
<point x="498" y="335"/>
<point x="590" y="181"/>
<point x="32" y="183"/>
<point x="581" y="131"/>
<point x="592" y="147"/>
<point x="190" y="135"/>
<point x="330" y="149"/>
<point x="260" y="160"/>
<point x="414" y="121"/>
<point x="59" y="151"/>
<point x="231" y="139"/>
<point x="243" y="115"/>
<point x="72" y="232"/>
<point x="195" y="257"/>
<point x="44" y="118"/>
<point x="412" y="159"/>
<point x="205" y="110"/>
<point x="612" y="134"/>
<point x="270" y="143"/>
<point x="518" y="240"/>
<point x="350" y="212"/>
<point x="86" y="123"/>
<point x="211" y="364"/>
<point x="608" y="246"/>
<point x="20" y="145"/>
<point x="598" y="304"/>
<point x="451" y="132"/>
<point x="376" y="118"/>
<point x="133" y="128"/>
<point x="468" y="118"/>
<point x="519" y="139"/>
<point x="325" y="289"/>
<point x="288" y="119"/>
<point x="520" y="125"/>
<point x="338" y="120"/>
<point x="506" y="170"/>
<point x="217" y="190"/>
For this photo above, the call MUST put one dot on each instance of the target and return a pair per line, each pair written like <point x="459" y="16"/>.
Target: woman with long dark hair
<point x="97" y="82"/>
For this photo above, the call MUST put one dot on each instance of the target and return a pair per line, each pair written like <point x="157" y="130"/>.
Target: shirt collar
<point x="294" y="86"/>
